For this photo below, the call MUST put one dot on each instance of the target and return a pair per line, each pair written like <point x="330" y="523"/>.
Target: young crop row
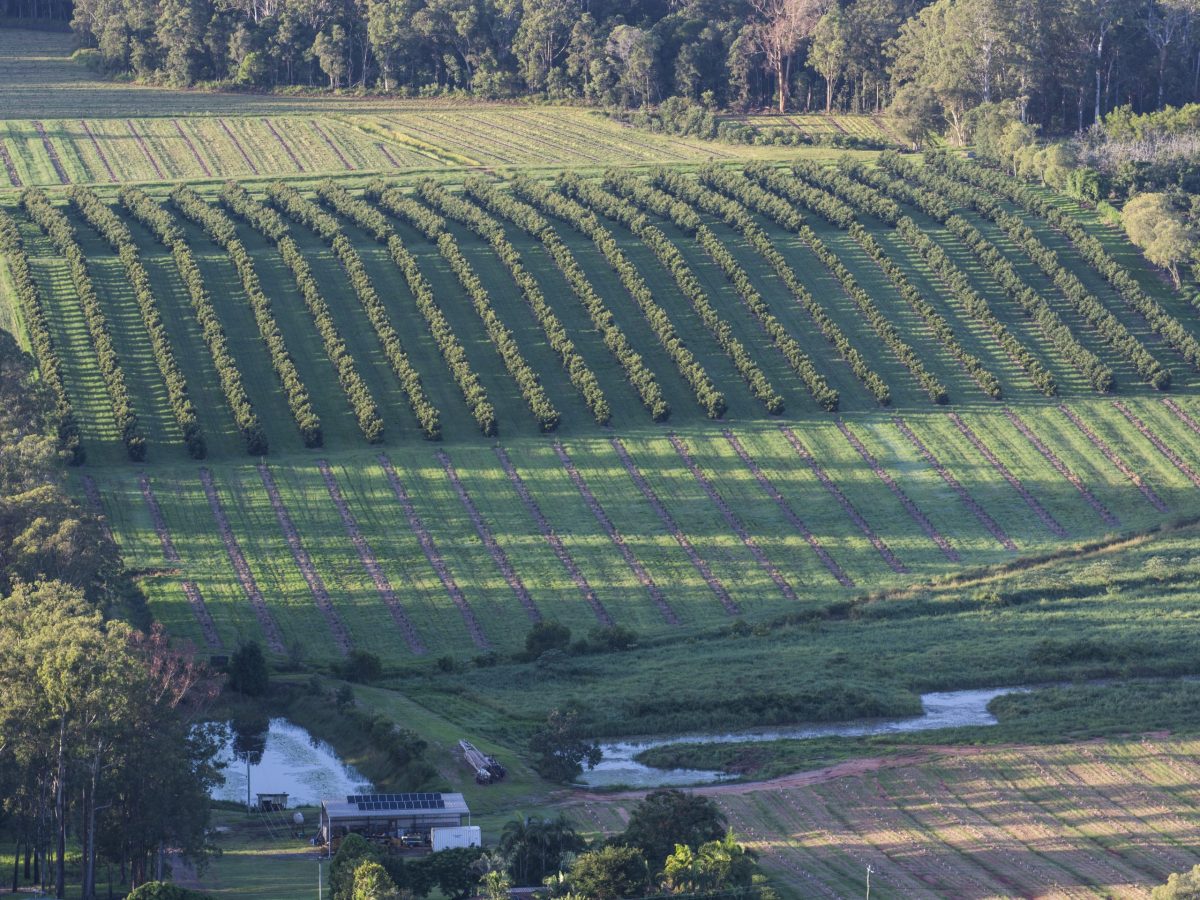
<point x="830" y="207"/>
<point x="237" y="559"/>
<point x="33" y="315"/>
<point x="533" y="223"/>
<point x="288" y="199"/>
<point x="955" y="485"/>
<point x="1159" y="444"/>
<point x="370" y="562"/>
<point x="580" y="373"/>
<point x="1088" y="306"/>
<point x="433" y="555"/>
<point x="587" y="223"/>
<point x="495" y="551"/>
<point x="863" y="199"/>
<point x="600" y="200"/>
<point x="1164" y="324"/>
<point x="661" y="196"/>
<point x="1111" y="455"/>
<point x="316" y="585"/>
<point x="110" y="226"/>
<point x="743" y="195"/>
<point x="786" y="508"/>
<point x="375" y="223"/>
<point x="731" y="519"/>
<point x="551" y="538"/>
<point x="843" y="501"/>
<point x="223" y="232"/>
<point x="9" y="168"/>
<point x="617" y="539"/>
<point x="162" y="225"/>
<point x="272" y="226"/>
<point x="52" y="153"/>
<point x="673" y="529"/>
<point x="433" y="227"/>
<point x="62" y="235"/>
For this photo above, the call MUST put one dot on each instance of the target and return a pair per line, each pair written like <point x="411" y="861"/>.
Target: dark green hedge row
<point x="524" y="216"/>
<point x="62" y="235"/>
<point x="858" y="196"/>
<point x="433" y="227"/>
<point x="742" y="195"/>
<point x="664" y="249"/>
<point x="112" y="229"/>
<point x="33" y="313"/>
<point x="162" y="224"/>
<point x="587" y="223"/>
<point x="842" y="215"/>
<point x="371" y="220"/>
<point x="222" y="230"/>
<point x="1095" y="313"/>
<point x="271" y="225"/>
<point x="289" y="201"/>
<point x="671" y="194"/>
<point x="1164" y="324"/>
<point x="490" y="230"/>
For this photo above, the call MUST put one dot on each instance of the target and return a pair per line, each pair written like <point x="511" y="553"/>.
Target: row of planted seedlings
<point x="944" y="191"/>
<point x="688" y="221"/>
<point x="62" y="234"/>
<point x="164" y="228"/>
<point x="223" y="232"/>
<point x="109" y="225"/>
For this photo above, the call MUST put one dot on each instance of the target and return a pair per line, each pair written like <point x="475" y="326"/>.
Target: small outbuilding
<point x="272" y="802"/>
<point x="403" y="821"/>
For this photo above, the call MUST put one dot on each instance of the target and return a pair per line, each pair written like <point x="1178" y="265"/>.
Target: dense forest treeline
<point x="1060" y="65"/>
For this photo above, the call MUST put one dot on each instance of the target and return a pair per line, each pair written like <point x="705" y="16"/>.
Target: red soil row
<point x="1159" y="444"/>
<point x="192" y="147"/>
<point x="157" y="519"/>
<point x="564" y="556"/>
<point x="284" y="144"/>
<point x="765" y="483"/>
<point x="241" y="568"/>
<point x="1181" y="414"/>
<point x="99" y="150"/>
<point x="304" y="563"/>
<point x="953" y="483"/>
<point x="429" y="548"/>
<point x="237" y="146"/>
<point x="95" y="506"/>
<point x="732" y="520"/>
<point x="387" y="154"/>
<point x="1111" y="455"/>
<point x="1051" y="457"/>
<point x="337" y="151"/>
<point x="631" y="560"/>
<point x="673" y="529"/>
<point x="369" y="562"/>
<point x="13" y="178"/>
<point x="909" y="505"/>
<point x="843" y="501"/>
<point x="495" y="551"/>
<point x="141" y="142"/>
<point x="207" y="626"/>
<point x="52" y="153"/>
<point x="1003" y="471"/>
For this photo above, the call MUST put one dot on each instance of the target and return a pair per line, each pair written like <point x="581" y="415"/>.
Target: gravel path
<point x="673" y="529"/>
<point x="631" y="560"/>
<point x="434" y="555"/>
<point x="241" y="568"/>
<point x="304" y="563"/>
<point x="555" y="542"/>
<point x="369" y="561"/>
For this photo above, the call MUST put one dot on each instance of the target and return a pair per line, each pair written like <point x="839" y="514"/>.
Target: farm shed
<point x="405" y="819"/>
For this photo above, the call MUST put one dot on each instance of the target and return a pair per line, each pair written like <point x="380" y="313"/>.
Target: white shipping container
<point x="450" y="838"/>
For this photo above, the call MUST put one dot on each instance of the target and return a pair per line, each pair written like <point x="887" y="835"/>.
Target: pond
<point x="285" y="759"/>
<point x="948" y="709"/>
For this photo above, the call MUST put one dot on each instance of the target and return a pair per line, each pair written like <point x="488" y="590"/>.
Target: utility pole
<point x="869" y="871"/>
<point x="320" y="881"/>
